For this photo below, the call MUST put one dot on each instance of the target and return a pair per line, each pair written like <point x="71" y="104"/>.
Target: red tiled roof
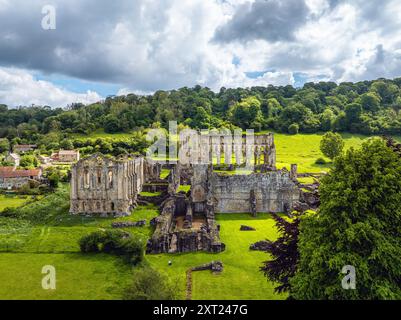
<point x="10" y="172"/>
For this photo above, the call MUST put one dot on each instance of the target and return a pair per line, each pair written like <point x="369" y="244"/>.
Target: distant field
<point x="304" y="149"/>
<point x="100" y="134"/>
<point x="301" y="149"/>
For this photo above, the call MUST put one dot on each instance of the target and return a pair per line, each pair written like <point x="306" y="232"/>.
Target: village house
<point x="44" y="159"/>
<point x="22" y="148"/>
<point x="69" y="156"/>
<point x="12" y="178"/>
<point x="13" y="158"/>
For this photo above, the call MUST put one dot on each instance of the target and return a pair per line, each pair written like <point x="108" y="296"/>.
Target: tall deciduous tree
<point x="358" y="224"/>
<point x="331" y="145"/>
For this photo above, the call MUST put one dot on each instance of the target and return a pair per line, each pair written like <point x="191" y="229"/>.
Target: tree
<point x="54" y="179"/>
<point x="358" y="224"/>
<point x="4" y="145"/>
<point x="327" y="119"/>
<point x="111" y="124"/>
<point x="331" y="145"/>
<point x="148" y="284"/>
<point x="67" y="144"/>
<point x="285" y="254"/>
<point x="29" y="161"/>
<point x="247" y="114"/>
<point x="293" y="128"/>
<point x="370" y="102"/>
<point x="353" y="113"/>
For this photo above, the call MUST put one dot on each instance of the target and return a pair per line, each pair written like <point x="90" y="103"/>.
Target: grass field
<point x="29" y="243"/>
<point x="304" y="149"/>
<point x="301" y="149"/>
<point x="241" y="278"/>
<point x="27" y="247"/>
<point x="11" y="202"/>
<point x="78" y="277"/>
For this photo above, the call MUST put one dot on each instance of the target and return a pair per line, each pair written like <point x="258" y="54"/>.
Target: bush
<point x="320" y="161"/>
<point x="115" y="242"/>
<point x="133" y="250"/>
<point x="148" y="284"/>
<point x="90" y="242"/>
<point x="293" y="129"/>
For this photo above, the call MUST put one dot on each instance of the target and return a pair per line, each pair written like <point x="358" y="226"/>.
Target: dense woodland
<point x="368" y="107"/>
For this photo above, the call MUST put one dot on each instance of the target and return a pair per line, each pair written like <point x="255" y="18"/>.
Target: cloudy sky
<point x="103" y="47"/>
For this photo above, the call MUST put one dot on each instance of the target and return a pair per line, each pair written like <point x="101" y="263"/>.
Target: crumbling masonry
<point x="106" y="186"/>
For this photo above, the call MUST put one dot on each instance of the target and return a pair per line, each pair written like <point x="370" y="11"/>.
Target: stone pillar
<point x="294" y="171"/>
<point x="227" y="153"/>
<point x="272" y="152"/>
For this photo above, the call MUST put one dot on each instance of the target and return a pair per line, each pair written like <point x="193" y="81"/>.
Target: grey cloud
<point x="271" y="20"/>
<point x="83" y="45"/>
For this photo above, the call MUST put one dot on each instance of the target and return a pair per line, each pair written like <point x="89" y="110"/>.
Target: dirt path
<point x="189" y="285"/>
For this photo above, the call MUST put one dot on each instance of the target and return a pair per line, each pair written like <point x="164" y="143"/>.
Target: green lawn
<point x="241" y="278"/>
<point x="11" y="202"/>
<point x="78" y="277"/>
<point x="26" y="247"/>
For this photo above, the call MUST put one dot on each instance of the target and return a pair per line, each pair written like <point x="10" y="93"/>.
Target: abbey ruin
<point x="106" y="186"/>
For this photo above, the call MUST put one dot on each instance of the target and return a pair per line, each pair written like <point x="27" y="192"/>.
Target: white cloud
<point x="18" y="87"/>
<point x="147" y="45"/>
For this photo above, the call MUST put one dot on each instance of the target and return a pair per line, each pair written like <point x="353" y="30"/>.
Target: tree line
<point x="367" y="107"/>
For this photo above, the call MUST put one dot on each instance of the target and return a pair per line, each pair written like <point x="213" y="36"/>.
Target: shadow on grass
<point x="243" y="216"/>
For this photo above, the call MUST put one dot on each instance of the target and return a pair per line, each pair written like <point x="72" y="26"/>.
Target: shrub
<point x="293" y="129"/>
<point x="148" y="284"/>
<point x="320" y="161"/>
<point x="115" y="242"/>
<point x="132" y="249"/>
<point x="90" y="242"/>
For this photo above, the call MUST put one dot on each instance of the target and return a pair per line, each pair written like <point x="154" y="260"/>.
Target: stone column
<point x="294" y="171"/>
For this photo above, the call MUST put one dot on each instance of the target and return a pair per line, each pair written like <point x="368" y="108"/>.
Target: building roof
<point x="68" y="152"/>
<point x="11" y="172"/>
<point x="25" y="146"/>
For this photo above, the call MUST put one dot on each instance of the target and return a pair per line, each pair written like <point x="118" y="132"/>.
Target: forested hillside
<point x="368" y="107"/>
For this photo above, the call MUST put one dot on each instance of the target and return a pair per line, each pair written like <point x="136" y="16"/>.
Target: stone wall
<point x="273" y="191"/>
<point x="105" y="186"/>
